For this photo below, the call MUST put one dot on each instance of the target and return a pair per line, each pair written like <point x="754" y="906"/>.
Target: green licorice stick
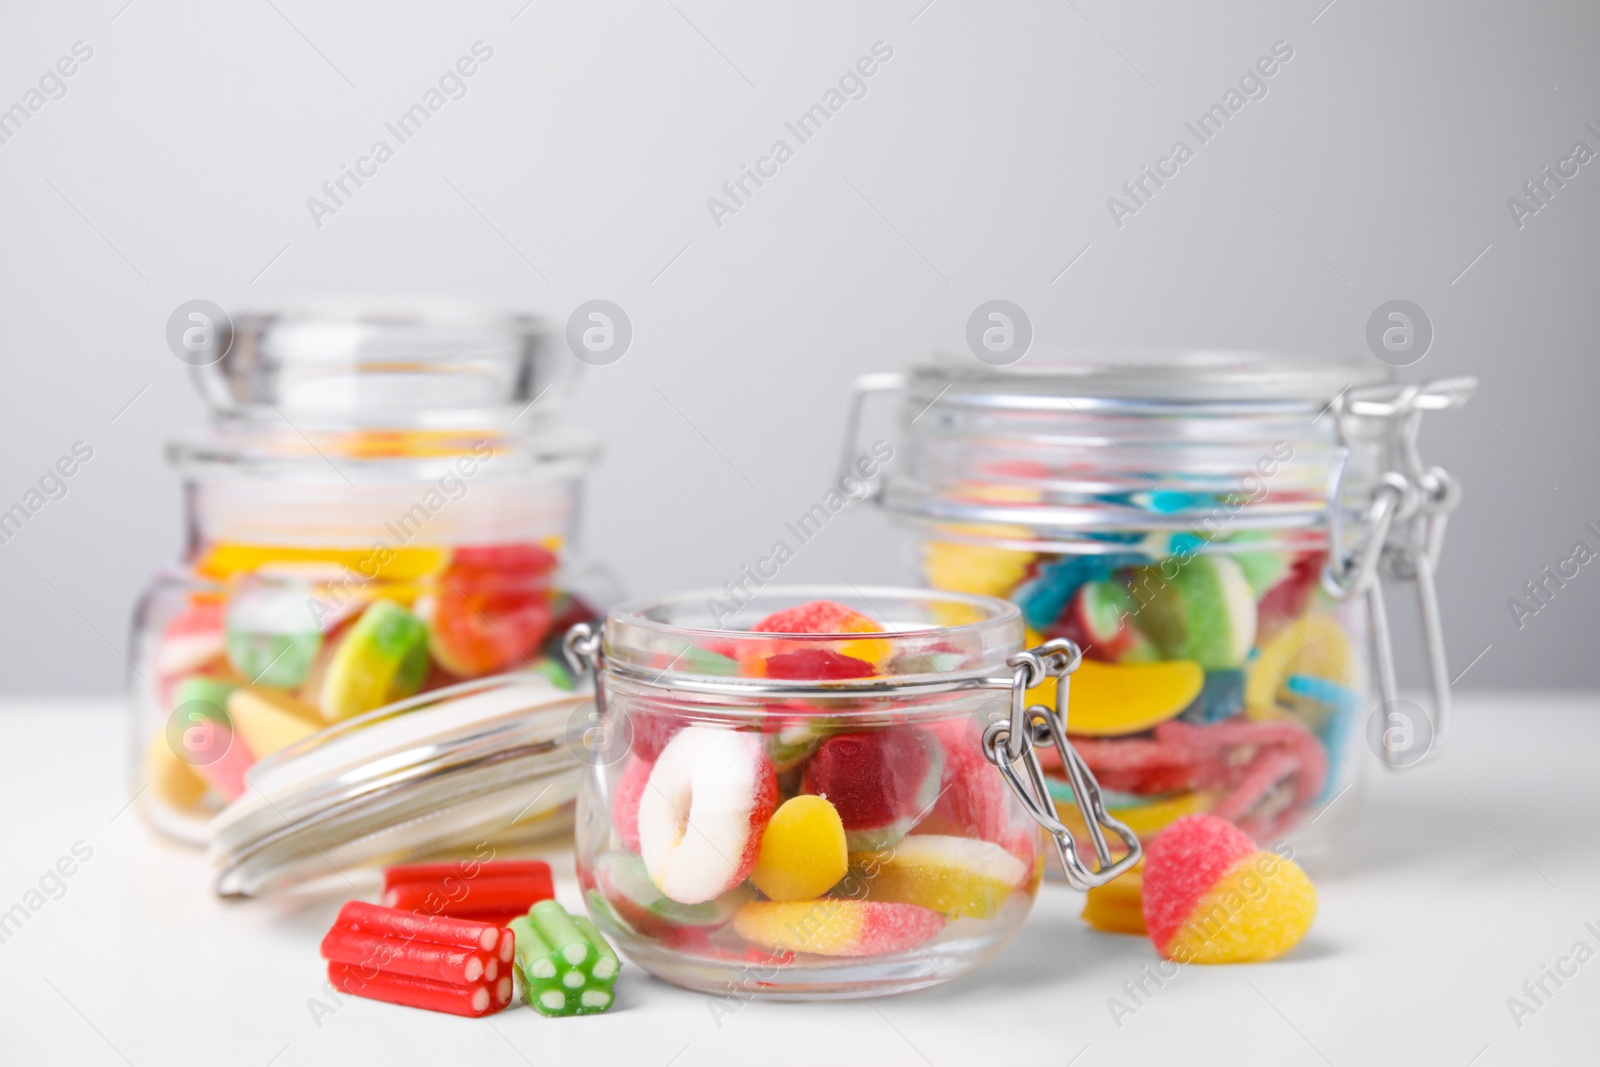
<point x="534" y="954"/>
<point x="606" y="964"/>
<point x="562" y="934"/>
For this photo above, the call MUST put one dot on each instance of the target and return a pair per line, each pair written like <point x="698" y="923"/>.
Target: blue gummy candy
<point x="1043" y="597"/>
<point x="1221" y="697"/>
<point x="1344" y="708"/>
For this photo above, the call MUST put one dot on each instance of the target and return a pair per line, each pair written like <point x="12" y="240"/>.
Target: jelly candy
<point x="192" y="639"/>
<point x="566" y="967"/>
<point x="803" y="851"/>
<point x="1222" y="697"/>
<point x="270" y="720"/>
<point x="973" y="800"/>
<point x="472" y="999"/>
<point x="956" y="876"/>
<point x="1211" y="897"/>
<point x="1109" y="699"/>
<point x="832" y="927"/>
<point x="490" y="891"/>
<point x="272" y="637"/>
<point x="631" y="784"/>
<point x="1098" y="620"/>
<point x="382" y="658"/>
<point x="171" y="778"/>
<point x="820" y="664"/>
<point x="1316" y="646"/>
<point x="1205" y="611"/>
<point x="1145" y="816"/>
<point x="1118" y="906"/>
<point x="1286" y="601"/>
<point x="1044" y="596"/>
<point x="708" y="800"/>
<point x="881" y="781"/>
<point x="490" y="609"/>
<point x="817" y="617"/>
<point x="980" y="569"/>
<point x="626" y="885"/>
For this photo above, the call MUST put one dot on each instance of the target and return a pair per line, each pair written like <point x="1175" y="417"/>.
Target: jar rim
<point x="654" y="639"/>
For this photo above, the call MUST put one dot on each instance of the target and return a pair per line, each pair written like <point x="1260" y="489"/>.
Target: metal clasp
<point x="864" y="385"/>
<point x="1029" y="728"/>
<point x="1404" y="523"/>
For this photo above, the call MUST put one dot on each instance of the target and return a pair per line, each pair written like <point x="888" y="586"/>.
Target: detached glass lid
<point x="494" y="760"/>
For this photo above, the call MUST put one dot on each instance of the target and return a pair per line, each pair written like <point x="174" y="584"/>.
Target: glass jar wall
<point x="384" y="503"/>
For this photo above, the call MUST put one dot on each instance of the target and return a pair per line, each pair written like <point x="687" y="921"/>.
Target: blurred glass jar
<point x="385" y="503"/>
<point x="1208" y="528"/>
<point x="809" y="815"/>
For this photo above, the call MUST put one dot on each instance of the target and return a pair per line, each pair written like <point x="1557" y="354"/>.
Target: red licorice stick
<point x="368" y="953"/>
<point x="467" y="870"/>
<point x="495" y="918"/>
<point x="421" y="926"/>
<point x="474" y="999"/>
<point x="460" y="897"/>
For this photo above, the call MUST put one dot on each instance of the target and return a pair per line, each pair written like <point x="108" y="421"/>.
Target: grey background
<point x="977" y="166"/>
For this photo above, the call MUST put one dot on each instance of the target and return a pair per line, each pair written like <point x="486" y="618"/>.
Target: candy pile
<point x="287" y="641"/>
<point x="815" y="833"/>
<point x="421" y="954"/>
<point x="422" y="961"/>
<point x="1216" y="675"/>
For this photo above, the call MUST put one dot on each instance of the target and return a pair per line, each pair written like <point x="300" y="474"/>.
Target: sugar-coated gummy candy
<point x="959" y="877"/>
<point x="489" y="610"/>
<point x="803" y="852"/>
<point x="566" y="966"/>
<point x="817" y="617"/>
<point x="208" y="694"/>
<point x="974" y="801"/>
<point x="1221" y="697"/>
<point x="383" y="657"/>
<point x="882" y="782"/>
<point x="1044" y="597"/>
<point x="707" y="801"/>
<point x="1210" y="896"/>
<point x="1205" y="611"/>
<point x="631" y="784"/>
<point x="837" y="927"/>
<point x="192" y="639"/>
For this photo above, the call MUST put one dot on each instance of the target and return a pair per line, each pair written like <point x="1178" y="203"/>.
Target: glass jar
<point x="1207" y="527"/>
<point x="811" y="815"/>
<point x="385" y="503"/>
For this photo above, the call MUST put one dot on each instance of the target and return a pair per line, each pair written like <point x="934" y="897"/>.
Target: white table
<point x="1459" y="881"/>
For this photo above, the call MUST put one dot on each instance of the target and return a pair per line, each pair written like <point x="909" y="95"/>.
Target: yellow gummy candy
<point x="228" y="559"/>
<point x="1111" y="699"/>
<point x="1145" y="820"/>
<point x="959" y="876"/>
<point x="171" y="778"/>
<point x="1314" y="645"/>
<point x="803" y="851"/>
<point x="270" y="720"/>
<point x="1118" y="906"/>
<point x="959" y="567"/>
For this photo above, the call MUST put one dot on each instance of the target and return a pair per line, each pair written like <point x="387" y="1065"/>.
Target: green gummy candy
<point x="277" y="660"/>
<point x="210" y="695"/>
<point x="566" y="967"/>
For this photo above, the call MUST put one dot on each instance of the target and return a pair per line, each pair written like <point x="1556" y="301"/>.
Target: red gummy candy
<point x="1182" y="864"/>
<point x="625" y="801"/>
<point x="520" y="559"/>
<point x="817" y="617"/>
<point x="1287" y="600"/>
<point x="882" y="782"/>
<point x="817" y="664"/>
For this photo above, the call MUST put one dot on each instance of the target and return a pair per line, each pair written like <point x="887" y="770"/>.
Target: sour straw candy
<point x="566" y="967"/>
<point x="433" y="962"/>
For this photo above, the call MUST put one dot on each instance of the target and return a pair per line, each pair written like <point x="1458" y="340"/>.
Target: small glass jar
<point x="385" y="503"/>
<point x="801" y="815"/>
<point x="1207" y="527"/>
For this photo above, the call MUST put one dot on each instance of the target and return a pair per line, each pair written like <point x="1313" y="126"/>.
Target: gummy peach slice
<point x="802" y="851"/>
<point x="1118" y="906"/>
<point x="833" y="927"/>
<point x="956" y="876"/>
<point x="1111" y="699"/>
